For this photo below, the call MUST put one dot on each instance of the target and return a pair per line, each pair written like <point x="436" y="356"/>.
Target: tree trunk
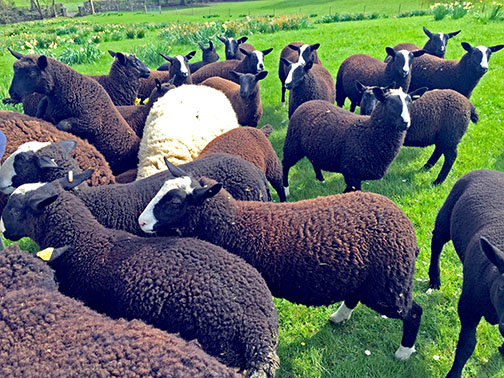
<point x="55" y="14"/>
<point x="36" y="4"/>
<point x="92" y="6"/>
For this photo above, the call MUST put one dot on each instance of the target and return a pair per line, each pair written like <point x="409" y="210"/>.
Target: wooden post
<point x="399" y="10"/>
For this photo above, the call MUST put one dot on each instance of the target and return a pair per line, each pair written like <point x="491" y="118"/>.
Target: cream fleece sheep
<point x="181" y="124"/>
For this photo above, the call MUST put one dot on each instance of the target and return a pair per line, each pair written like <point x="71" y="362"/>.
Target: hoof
<point x="64" y="125"/>
<point x="343" y="314"/>
<point x="403" y="353"/>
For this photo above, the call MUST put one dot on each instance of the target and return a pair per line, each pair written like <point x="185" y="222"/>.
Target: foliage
<point x="336" y="17"/>
<point x="149" y="54"/>
<point x="90" y="53"/>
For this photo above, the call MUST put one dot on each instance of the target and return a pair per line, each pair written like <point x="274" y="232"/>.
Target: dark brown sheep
<point x="232" y="47"/>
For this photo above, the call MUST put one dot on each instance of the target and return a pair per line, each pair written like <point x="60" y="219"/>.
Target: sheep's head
<point x="131" y="62"/>
<point x="305" y="51"/>
<point x="161" y="89"/>
<point x="496" y="257"/>
<point x="478" y="57"/>
<point x="209" y="54"/>
<point x="254" y="60"/>
<point x="179" y="66"/>
<point x="401" y="61"/>
<point x="172" y="202"/>
<point x="436" y="45"/>
<point x="231" y="46"/>
<point x="30" y="75"/>
<point x="248" y="82"/>
<point x="295" y="72"/>
<point x="368" y="100"/>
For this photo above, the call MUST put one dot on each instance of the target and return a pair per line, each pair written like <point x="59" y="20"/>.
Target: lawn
<point x="309" y="345"/>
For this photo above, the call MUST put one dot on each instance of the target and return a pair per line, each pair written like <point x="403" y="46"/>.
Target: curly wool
<point x="180" y="124"/>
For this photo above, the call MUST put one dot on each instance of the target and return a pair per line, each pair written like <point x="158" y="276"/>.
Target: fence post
<point x="399" y="10"/>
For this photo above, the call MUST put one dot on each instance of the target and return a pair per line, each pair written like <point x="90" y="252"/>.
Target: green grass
<point x="309" y="345"/>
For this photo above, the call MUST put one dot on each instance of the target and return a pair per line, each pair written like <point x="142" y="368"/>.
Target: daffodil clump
<point x="456" y="9"/>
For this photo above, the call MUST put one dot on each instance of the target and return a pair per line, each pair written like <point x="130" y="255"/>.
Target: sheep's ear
<point x="417" y="93"/>
<point x="15" y="54"/>
<point x="242" y="40"/>
<point x="315" y="46"/>
<point x="190" y="55"/>
<point x="235" y="74"/>
<point x="285" y="61"/>
<point x="158" y="83"/>
<point x="267" y="130"/>
<point x="390" y="51"/>
<point x="308" y="66"/>
<point x="294" y="47"/>
<point x="495" y="48"/>
<point x="121" y="57"/>
<point x="44" y="162"/>
<point x="167" y="57"/>
<point x="70" y="181"/>
<point x="418" y="53"/>
<point x="244" y="51"/>
<point x="360" y="87"/>
<point x="201" y="46"/>
<point x="112" y="53"/>
<point x="390" y="86"/>
<point x="68" y="145"/>
<point x="210" y="45"/>
<point x="451" y="35"/>
<point x="267" y="51"/>
<point x="174" y="170"/>
<point x="223" y="40"/>
<point x="201" y="194"/>
<point x="427" y="32"/>
<point x="261" y="75"/>
<point x="172" y="80"/>
<point x="494" y="254"/>
<point x="466" y="46"/>
<point x="40" y="200"/>
<point x="42" y="62"/>
<point x="51" y="254"/>
<point x="379" y="94"/>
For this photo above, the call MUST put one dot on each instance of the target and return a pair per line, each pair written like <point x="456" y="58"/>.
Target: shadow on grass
<point x="492" y="367"/>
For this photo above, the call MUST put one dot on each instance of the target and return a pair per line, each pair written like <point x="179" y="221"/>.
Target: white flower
<point x="367" y="352"/>
<point x="435" y="357"/>
<point x="429" y="291"/>
<point x="82" y="49"/>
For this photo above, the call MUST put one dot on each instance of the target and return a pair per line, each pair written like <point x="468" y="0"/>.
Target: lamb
<point x="136" y="115"/>
<point x="472" y="218"/>
<point x="209" y="55"/>
<point x="252" y="145"/>
<point x="180" y="124"/>
<point x="307" y="82"/>
<point x="359" y="147"/>
<point x="460" y="75"/>
<point x="245" y="97"/>
<point x="252" y="63"/>
<point x="371" y="71"/>
<point x="232" y="47"/>
<point x="176" y="284"/>
<point x="440" y="117"/>
<point x="77" y="104"/>
<point x="296" y="52"/>
<point x="306" y="251"/>
<point x="119" y="206"/>
<point x="44" y="333"/>
<point x="435" y="45"/>
<point x="179" y="66"/>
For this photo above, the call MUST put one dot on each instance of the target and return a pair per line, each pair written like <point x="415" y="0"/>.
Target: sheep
<point x="252" y="145"/>
<point x="439" y="117"/>
<point x="136" y="115"/>
<point x="176" y="284"/>
<point x="245" y="97"/>
<point x="179" y="66"/>
<point x="306" y="251"/>
<point x="369" y="101"/>
<point x="209" y="55"/>
<point x="44" y="333"/>
<point x="371" y="71"/>
<point x="252" y="63"/>
<point x="307" y="82"/>
<point x="232" y="47"/>
<point x="460" y="75"/>
<point x="435" y="45"/>
<point x="180" y="124"/>
<point x="334" y="139"/>
<point x="472" y="218"/>
<point x="119" y="206"/>
<point x="296" y="52"/>
<point x="78" y="104"/>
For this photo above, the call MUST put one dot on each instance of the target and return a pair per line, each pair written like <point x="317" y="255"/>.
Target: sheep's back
<point x="432" y="72"/>
<point x="220" y="68"/>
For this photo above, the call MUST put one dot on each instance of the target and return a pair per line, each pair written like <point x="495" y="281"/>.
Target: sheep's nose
<point x="261" y="66"/>
<point x="142" y="223"/>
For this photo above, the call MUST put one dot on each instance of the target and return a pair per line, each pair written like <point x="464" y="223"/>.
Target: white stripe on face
<point x="293" y="67"/>
<point x="405" y="53"/>
<point x="26" y="188"/>
<point x="301" y="51"/>
<point x="2" y="226"/>
<point x="260" y="58"/>
<point x="183" y="66"/>
<point x="405" y="114"/>
<point x="484" y="58"/>
<point x="147" y="220"/>
<point x="7" y="171"/>
<point x="442" y="39"/>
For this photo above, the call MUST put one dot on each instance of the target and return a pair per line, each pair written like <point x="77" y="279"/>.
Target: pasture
<point x="364" y="346"/>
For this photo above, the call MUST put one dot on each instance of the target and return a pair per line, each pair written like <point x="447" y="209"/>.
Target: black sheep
<point x="232" y="47"/>
<point x="209" y="55"/>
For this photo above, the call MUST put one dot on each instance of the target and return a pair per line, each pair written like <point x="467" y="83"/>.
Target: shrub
<point x="87" y="54"/>
<point x="130" y="33"/>
<point x="149" y="54"/>
<point x="439" y="11"/>
<point x="140" y="33"/>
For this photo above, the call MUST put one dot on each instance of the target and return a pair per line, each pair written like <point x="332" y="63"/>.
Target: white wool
<point x="180" y="124"/>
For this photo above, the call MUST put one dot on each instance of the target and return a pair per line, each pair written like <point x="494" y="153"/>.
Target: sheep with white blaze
<point x="356" y="247"/>
<point x="209" y="55"/>
<point x="232" y="47"/>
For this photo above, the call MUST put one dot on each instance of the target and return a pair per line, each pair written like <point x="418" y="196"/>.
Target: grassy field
<point x="309" y="345"/>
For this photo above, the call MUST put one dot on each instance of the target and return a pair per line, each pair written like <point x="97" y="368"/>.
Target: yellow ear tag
<point x="70" y="176"/>
<point x="45" y="254"/>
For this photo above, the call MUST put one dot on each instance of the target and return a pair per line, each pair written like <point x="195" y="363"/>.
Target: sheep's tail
<point x="267" y="130"/>
<point x="474" y="114"/>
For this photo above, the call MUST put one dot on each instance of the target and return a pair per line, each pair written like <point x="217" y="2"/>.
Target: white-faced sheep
<point x="296" y="52"/>
<point x="252" y="63"/>
<point x="244" y="96"/>
<point x="460" y="75"/>
<point x="440" y="117"/>
<point x="356" y="247"/>
<point x="79" y="105"/>
<point x="252" y="145"/>
<point x="232" y="47"/>
<point x="209" y="55"/>
<point x="307" y="82"/>
<point x="472" y="218"/>
<point x="180" y="124"/>
<point x="44" y="333"/>
<point x="371" y="71"/>
<point x="181" y="285"/>
<point x="336" y="140"/>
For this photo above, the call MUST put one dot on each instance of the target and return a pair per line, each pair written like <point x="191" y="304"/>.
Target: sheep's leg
<point x="466" y="342"/>
<point x="318" y="173"/>
<point x="353" y="105"/>
<point x="283" y="94"/>
<point x="411" y="324"/>
<point x="437" y="244"/>
<point x="352" y="184"/>
<point x="42" y="108"/>
<point x="449" y="158"/>
<point x="433" y="159"/>
<point x="344" y="311"/>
